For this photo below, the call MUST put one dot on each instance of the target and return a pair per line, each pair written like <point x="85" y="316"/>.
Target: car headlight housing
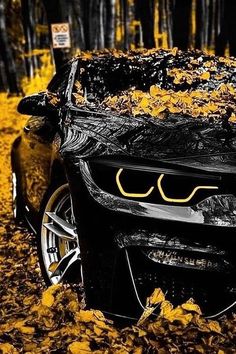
<point x="156" y="185"/>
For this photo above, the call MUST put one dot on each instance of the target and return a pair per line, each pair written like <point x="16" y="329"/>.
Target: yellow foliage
<point x="48" y="298"/>
<point x="191" y="307"/>
<point x="20" y="325"/>
<point x="79" y="347"/>
<point x="156" y="297"/>
<point x="7" y="348"/>
<point x="159" y="102"/>
<point x="205" y="76"/>
<point x="41" y="77"/>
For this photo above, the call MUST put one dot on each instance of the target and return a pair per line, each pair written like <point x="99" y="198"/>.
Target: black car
<point x="126" y="204"/>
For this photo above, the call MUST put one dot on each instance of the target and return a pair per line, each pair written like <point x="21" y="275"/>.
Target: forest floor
<point x="34" y="319"/>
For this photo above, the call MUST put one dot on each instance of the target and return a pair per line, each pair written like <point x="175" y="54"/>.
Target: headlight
<point x="153" y="185"/>
<point x="161" y="193"/>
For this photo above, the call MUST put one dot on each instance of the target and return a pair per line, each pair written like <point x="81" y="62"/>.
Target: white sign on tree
<point x="60" y="35"/>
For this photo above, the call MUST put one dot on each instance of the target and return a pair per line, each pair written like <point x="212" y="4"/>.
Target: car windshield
<point x="106" y="74"/>
<point x="157" y="82"/>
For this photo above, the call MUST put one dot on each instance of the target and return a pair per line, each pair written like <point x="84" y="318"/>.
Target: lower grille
<point x="213" y="291"/>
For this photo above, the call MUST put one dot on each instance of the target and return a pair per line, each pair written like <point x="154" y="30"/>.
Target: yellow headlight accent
<point x="126" y="194"/>
<point x="185" y="200"/>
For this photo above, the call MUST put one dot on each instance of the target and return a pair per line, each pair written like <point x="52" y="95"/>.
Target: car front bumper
<point x="128" y="248"/>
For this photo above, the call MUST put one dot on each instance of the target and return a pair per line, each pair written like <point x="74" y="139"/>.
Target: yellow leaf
<point x="157" y="110"/>
<point x="53" y="266"/>
<point x="205" y="76"/>
<point x="156" y="297"/>
<point x="177" y="79"/>
<point x="199" y="349"/>
<point x="165" y="98"/>
<point x="192" y="307"/>
<point x="78" y="85"/>
<point x="212" y="107"/>
<point x="90" y="316"/>
<point x="144" y="102"/>
<point x="137" y="94"/>
<point x="73" y="306"/>
<point x="48" y="299"/>
<point x="166" y="308"/>
<point x="214" y="326"/>
<point x="79" y="99"/>
<point x="20" y="325"/>
<point x="194" y="62"/>
<point x="154" y="90"/>
<point x="219" y="77"/>
<point x="30" y="347"/>
<point x="189" y="79"/>
<point x="98" y="331"/>
<point x="174" y="109"/>
<point x="79" y="348"/>
<point x="232" y="118"/>
<point x="174" y="51"/>
<point x="174" y="100"/>
<point x="7" y="348"/>
<point x="196" y="94"/>
<point x="187" y="99"/>
<point x="146" y="313"/>
<point x="26" y="330"/>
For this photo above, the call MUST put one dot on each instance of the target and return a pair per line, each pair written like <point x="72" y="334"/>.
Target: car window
<point x="97" y="78"/>
<point x="108" y="75"/>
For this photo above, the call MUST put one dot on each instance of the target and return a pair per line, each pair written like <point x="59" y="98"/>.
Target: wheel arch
<point x="58" y="174"/>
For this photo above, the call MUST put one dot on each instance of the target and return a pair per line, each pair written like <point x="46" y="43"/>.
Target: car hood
<point x="180" y="140"/>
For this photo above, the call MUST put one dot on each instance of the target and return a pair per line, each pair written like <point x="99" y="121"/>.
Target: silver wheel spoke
<point x="65" y="263"/>
<point x="66" y="226"/>
<point x="59" y="233"/>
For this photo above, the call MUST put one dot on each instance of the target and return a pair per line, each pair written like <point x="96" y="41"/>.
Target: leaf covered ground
<point x="34" y="319"/>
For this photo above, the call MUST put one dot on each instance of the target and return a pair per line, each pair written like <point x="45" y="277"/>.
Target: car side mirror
<point x="35" y="105"/>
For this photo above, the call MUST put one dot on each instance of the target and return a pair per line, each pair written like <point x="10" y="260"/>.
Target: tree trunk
<point x="231" y="11"/>
<point x="6" y="53"/>
<point x="100" y="32"/>
<point x="28" y="21"/>
<point x="181" y="23"/>
<point x="58" y="12"/>
<point x="78" y="12"/>
<point x="145" y="13"/>
<point x="221" y="29"/>
<point x="3" y="83"/>
<point x="110" y="24"/>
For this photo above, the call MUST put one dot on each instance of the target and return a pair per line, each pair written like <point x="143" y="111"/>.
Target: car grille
<point x="213" y="291"/>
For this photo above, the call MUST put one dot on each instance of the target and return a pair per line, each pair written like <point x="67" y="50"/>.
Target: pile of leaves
<point x="57" y="323"/>
<point x="158" y="82"/>
<point x="160" y="102"/>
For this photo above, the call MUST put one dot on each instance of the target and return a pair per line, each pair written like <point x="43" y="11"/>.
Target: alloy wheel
<point x="59" y="239"/>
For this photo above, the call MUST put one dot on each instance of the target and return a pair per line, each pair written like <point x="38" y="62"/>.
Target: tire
<point x="57" y="241"/>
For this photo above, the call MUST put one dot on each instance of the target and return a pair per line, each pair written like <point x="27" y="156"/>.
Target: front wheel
<point x="58" y="244"/>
